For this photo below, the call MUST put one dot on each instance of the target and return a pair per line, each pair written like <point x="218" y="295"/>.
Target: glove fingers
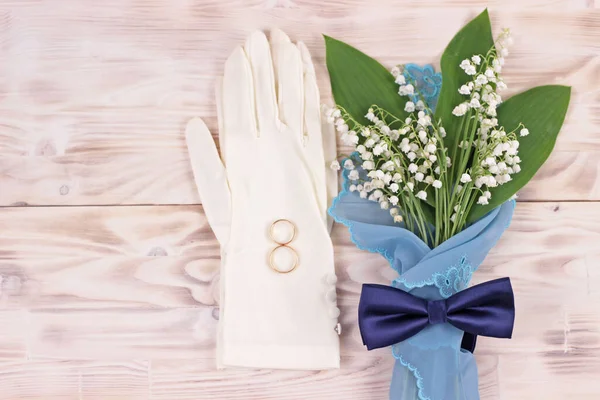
<point x="220" y="119"/>
<point x="210" y="178"/>
<point x="289" y="79"/>
<point x="259" y="54"/>
<point x="237" y="101"/>
<point x="313" y="143"/>
<point x="325" y="131"/>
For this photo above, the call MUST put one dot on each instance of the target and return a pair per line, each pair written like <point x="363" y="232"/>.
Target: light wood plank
<point x="109" y="282"/>
<point x="122" y="334"/>
<point x="67" y="232"/>
<point x="13" y="331"/>
<point x="106" y="257"/>
<point x="66" y="380"/>
<point x="566" y="175"/>
<point x="96" y="117"/>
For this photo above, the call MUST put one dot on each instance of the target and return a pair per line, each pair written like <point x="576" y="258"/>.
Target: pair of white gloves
<point x="273" y="164"/>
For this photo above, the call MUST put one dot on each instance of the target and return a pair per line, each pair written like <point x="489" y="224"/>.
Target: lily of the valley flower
<point x="400" y="161"/>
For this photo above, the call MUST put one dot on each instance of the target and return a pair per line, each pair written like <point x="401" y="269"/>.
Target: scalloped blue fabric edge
<point x="348" y="224"/>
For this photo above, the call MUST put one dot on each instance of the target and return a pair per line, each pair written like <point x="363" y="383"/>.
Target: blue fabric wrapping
<point x="431" y="364"/>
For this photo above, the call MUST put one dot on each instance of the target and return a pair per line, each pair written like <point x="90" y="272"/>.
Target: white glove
<point x="272" y="166"/>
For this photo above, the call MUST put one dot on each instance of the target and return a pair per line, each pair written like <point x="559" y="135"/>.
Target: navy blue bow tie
<point x="387" y="315"/>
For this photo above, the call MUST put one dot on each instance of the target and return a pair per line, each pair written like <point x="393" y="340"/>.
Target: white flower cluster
<point x="496" y="151"/>
<point x="482" y="90"/>
<point x="401" y="159"/>
<point x="498" y="159"/>
<point x="348" y="137"/>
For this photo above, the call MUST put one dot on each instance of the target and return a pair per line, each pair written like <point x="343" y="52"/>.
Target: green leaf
<point x="474" y="38"/>
<point x="358" y="82"/>
<point x="542" y="110"/>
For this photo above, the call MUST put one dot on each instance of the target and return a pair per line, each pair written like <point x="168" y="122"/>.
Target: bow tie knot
<point x="437" y="311"/>
<point x="387" y="315"/>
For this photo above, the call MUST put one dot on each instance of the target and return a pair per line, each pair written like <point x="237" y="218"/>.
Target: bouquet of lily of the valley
<point x="436" y="161"/>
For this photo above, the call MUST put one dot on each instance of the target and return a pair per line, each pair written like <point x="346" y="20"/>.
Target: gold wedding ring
<point x="279" y="222"/>
<point x="282" y="244"/>
<point x="272" y="261"/>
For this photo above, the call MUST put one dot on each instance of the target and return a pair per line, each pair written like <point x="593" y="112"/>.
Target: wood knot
<point x="10" y="285"/>
<point x="157" y="252"/>
<point x="45" y="148"/>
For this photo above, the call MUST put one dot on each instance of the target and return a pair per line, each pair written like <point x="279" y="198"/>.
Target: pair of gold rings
<point x="282" y="244"/>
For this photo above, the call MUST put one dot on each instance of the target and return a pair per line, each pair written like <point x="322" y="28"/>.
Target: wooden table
<point x="108" y="268"/>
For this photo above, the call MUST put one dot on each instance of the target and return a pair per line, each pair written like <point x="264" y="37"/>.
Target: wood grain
<point x="109" y="272"/>
<point x="94" y="114"/>
<point x="74" y="380"/>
